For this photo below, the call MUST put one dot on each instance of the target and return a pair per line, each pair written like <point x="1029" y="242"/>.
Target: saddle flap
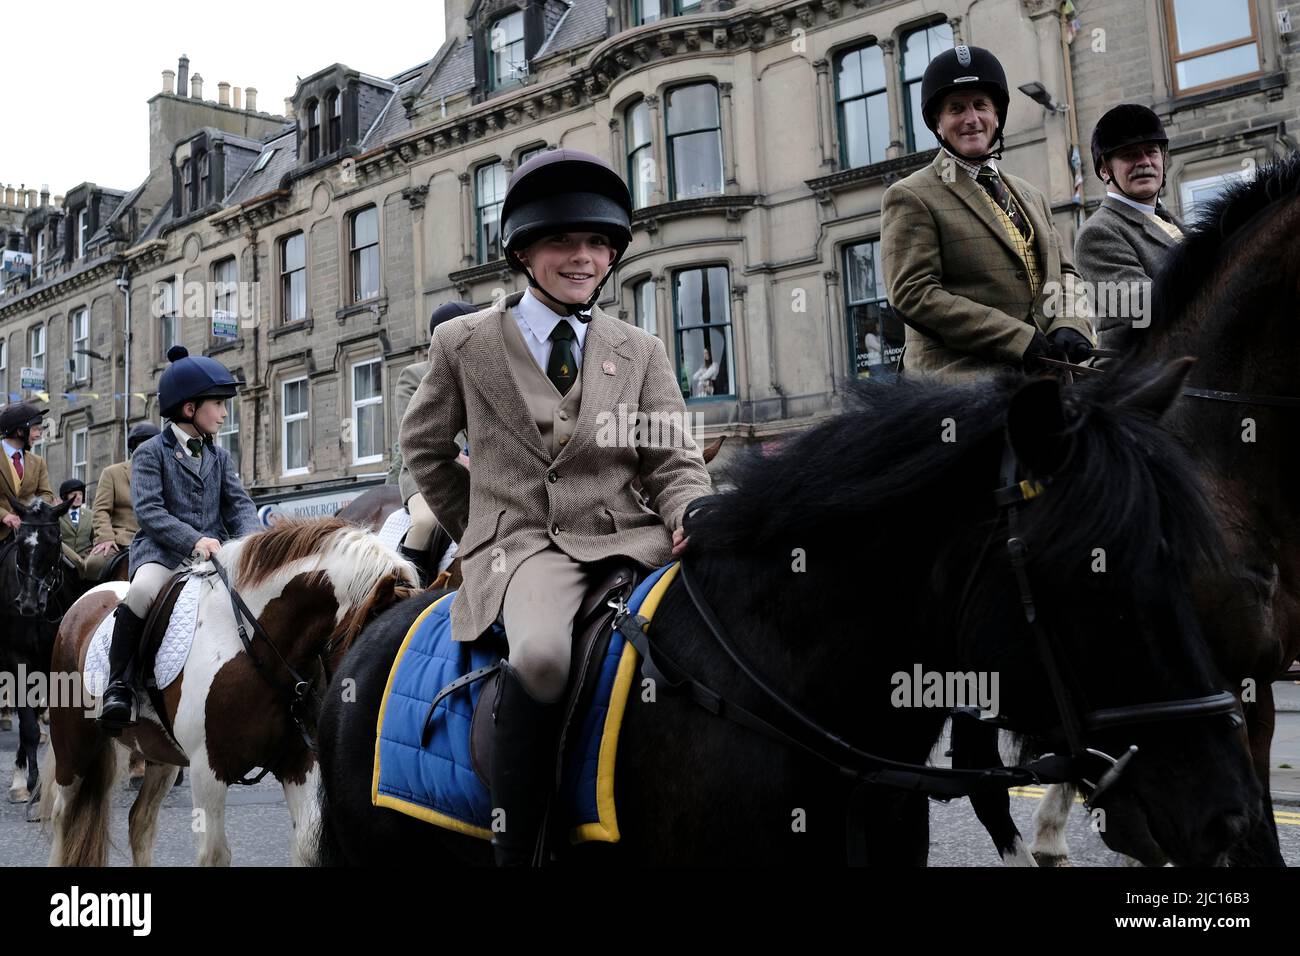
<point x="156" y="621"/>
<point x="592" y="629"/>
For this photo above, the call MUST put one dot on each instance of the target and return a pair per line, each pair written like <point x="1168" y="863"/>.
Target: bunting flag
<point x="1071" y="14"/>
<point x="76" y="396"/>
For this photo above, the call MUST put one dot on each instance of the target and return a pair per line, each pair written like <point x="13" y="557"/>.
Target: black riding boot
<point x="523" y="768"/>
<point x="122" y="656"/>
<point x="421" y="561"/>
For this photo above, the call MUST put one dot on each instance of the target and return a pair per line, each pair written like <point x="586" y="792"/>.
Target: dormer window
<point x="334" y="107"/>
<point x="313" y="129"/>
<point x="187" y="187"/>
<point x="506" y="59"/>
<point x="83" y="231"/>
<point x="201" y="199"/>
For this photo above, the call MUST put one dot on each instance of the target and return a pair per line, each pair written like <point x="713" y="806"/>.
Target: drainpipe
<point x="1072" y="117"/>
<point x="124" y="283"/>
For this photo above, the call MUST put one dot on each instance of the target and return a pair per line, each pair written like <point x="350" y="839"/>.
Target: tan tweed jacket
<point x="114" y="517"/>
<point x="516" y="499"/>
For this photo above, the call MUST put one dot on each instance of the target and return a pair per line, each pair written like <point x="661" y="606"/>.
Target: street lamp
<point x="1038" y="93"/>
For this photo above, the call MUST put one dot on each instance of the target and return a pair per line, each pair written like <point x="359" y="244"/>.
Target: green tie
<point x="195" y="445"/>
<point x="562" y="369"/>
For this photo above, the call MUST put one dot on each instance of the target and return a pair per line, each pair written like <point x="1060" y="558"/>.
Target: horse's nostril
<point x="1227" y="829"/>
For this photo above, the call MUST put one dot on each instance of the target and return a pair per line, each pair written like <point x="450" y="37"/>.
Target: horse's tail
<point x="77" y="815"/>
<point x="328" y="851"/>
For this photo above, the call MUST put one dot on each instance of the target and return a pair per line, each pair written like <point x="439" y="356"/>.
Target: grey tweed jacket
<point x="1120" y="244"/>
<point x="178" y="500"/>
<point x="516" y="500"/>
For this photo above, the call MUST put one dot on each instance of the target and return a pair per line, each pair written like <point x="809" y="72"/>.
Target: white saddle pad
<point x="394" y="530"/>
<point x="173" y="653"/>
<point x="395" y="527"/>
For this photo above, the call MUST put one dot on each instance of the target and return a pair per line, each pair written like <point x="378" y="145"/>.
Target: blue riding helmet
<point x="192" y="378"/>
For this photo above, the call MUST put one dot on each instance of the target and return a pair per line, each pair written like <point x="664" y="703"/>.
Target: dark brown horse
<point x="311" y="585"/>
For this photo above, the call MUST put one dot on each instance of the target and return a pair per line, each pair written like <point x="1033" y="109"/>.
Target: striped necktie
<point x="997" y="189"/>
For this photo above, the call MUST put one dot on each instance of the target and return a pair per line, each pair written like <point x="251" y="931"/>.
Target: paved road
<point x="259" y="831"/>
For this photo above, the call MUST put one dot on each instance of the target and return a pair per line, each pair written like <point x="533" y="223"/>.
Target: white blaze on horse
<point x="310" y="586"/>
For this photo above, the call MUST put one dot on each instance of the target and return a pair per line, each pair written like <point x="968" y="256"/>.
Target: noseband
<point x="45" y="584"/>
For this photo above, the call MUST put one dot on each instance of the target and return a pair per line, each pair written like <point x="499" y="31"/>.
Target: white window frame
<point x="40" y="253"/>
<point x="377" y="399"/>
<point x="228" y="429"/>
<point x="169" y="332"/>
<point x="83" y="225"/>
<point x="1186" y="186"/>
<point x="80" y="342"/>
<point x="4" y="357"/>
<point x="79" y="461"/>
<point x="36" y="331"/>
<point x="286" y="420"/>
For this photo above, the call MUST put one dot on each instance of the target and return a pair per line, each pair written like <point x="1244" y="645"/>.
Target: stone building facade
<point x="758" y="140"/>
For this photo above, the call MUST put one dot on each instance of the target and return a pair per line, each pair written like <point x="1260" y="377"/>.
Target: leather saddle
<point x="151" y="638"/>
<point x="109" y="571"/>
<point x="592" y="629"/>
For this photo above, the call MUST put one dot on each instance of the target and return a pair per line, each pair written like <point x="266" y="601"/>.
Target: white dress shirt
<point x="183" y="438"/>
<point x="1143" y="207"/>
<point x="537" y="321"/>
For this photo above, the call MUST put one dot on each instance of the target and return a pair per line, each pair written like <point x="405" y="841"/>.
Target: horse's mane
<point x="879" y="476"/>
<point x="264" y="553"/>
<point x="1228" y="217"/>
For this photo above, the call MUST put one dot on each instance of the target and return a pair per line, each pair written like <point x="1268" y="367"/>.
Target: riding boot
<point x="421" y="561"/>
<point x="523" y="769"/>
<point x="122" y="658"/>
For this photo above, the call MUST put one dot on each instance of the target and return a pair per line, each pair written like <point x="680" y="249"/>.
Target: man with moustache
<point x="1128" y="237"/>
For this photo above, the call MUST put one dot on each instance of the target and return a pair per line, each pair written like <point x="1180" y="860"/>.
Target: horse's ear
<point x="1036" y="427"/>
<point x="15" y="505"/>
<point x="62" y="509"/>
<point x="1158" y="394"/>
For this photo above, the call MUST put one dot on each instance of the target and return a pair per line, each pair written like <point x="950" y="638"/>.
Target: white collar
<point x="10" y="449"/>
<point x="183" y="437"/>
<point x="1141" y="207"/>
<point x="541" y="321"/>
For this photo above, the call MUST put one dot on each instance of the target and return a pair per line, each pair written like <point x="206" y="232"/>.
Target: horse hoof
<point x="6" y="723"/>
<point x="1051" y="859"/>
<point x="18" y="794"/>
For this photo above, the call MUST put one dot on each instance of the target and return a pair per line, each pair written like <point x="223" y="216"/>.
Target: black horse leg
<point x="975" y="746"/>
<point x="29" y="743"/>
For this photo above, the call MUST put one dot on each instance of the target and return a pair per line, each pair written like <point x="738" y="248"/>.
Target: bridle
<point x="811" y="737"/>
<point x="46" y="584"/>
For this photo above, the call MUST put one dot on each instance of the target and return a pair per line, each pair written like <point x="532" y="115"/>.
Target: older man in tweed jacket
<point x="972" y="261"/>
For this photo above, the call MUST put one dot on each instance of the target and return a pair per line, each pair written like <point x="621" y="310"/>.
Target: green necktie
<point x="562" y="369"/>
<point x="195" y="445"/>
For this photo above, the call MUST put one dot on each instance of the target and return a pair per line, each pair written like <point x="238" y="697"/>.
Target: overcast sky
<point x="80" y="74"/>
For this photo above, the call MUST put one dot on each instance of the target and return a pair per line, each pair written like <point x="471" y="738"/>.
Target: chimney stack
<point x="196" y="87"/>
<point x="288" y="107"/>
<point x="45" y="195"/>
<point x="236" y="99"/>
<point x="183" y="76"/>
<point x="223" y="93"/>
<point x="250" y="99"/>
<point x="169" y="82"/>
<point x="9" y="196"/>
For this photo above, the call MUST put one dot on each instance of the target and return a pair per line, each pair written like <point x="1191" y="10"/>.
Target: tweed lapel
<point x="1139" y="219"/>
<point x="485" y="364"/>
<point x="606" y="365"/>
<point x="952" y="176"/>
<point x="8" y="474"/>
<point x="180" y="455"/>
<point x="208" y="459"/>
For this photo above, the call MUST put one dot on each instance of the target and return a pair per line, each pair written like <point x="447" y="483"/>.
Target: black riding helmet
<point x="18" y="417"/>
<point x="71" y="485"/>
<point x="565" y="190"/>
<point x="1125" y="125"/>
<point x="964" y="68"/>
<point x="140" y="433"/>
<point x="192" y="378"/>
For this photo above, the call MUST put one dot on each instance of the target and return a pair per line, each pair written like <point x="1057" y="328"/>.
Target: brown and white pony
<point x="311" y="585"/>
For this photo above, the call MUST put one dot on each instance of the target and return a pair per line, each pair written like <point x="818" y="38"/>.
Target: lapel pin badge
<point x="608" y="367"/>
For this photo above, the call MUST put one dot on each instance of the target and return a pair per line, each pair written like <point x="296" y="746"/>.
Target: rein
<point x="940" y="782"/>
<point x="1206" y="394"/>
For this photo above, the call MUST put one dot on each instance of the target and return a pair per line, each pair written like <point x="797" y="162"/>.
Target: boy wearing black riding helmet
<point x="532" y="379"/>
<point x="188" y="499"/>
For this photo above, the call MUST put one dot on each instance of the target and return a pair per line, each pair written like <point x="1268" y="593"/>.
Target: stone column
<point x="658" y="132"/>
<point x="729" y="186"/>
<point x="894" y="95"/>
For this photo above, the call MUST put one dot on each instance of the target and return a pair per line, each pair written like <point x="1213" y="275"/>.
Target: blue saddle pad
<point x="437" y="782"/>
